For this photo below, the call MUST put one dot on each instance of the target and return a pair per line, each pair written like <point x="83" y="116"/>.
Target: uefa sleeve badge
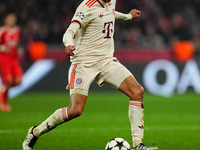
<point x="80" y="15"/>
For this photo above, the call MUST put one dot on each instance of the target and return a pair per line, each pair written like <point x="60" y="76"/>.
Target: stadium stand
<point x="163" y="22"/>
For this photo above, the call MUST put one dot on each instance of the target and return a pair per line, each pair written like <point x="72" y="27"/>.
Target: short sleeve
<point x="82" y="15"/>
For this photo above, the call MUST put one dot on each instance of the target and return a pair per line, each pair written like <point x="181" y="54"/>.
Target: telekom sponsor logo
<point x="108" y="29"/>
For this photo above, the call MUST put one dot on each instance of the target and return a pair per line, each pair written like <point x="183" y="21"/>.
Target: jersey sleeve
<point x="83" y="15"/>
<point x="122" y="16"/>
<point x="70" y="33"/>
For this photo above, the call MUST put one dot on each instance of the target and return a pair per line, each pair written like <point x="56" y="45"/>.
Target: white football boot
<point x="30" y="140"/>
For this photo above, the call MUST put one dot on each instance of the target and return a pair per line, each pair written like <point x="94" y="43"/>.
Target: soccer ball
<point x="118" y="144"/>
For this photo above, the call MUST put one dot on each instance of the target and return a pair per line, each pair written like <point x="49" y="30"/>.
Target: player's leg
<point x="75" y="109"/>
<point x="4" y="106"/>
<point x="80" y="77"/>
<point x="11" y="74"/>
<point x="17" y="72"/>
<point x="136" y="111"/>
<point x="135" y="92"/>
<point x="123" y="80"/>
<point x="7" y="79"/>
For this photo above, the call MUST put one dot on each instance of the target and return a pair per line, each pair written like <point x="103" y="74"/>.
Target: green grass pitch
<point x="170" y="123"/>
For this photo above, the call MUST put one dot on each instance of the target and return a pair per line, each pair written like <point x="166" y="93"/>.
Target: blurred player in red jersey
<point x="10" y="69"/>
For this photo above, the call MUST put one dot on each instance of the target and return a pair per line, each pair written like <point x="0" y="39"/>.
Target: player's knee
<point x="8" y="83"/>
<point x="137" y="93"/>
<point x="76" y="112"/>
<point x="17" y="82"/>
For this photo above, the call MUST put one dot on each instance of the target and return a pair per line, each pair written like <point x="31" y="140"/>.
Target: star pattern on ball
<point x="118" y="144"/>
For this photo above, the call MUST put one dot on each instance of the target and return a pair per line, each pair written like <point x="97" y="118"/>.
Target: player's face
<point x="11" y="20"/>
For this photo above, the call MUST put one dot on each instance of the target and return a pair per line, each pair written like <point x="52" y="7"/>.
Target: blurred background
<point x="164" y="40"/>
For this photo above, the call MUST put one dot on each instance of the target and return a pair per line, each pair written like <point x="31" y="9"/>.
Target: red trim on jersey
<point x="90" y="3"/>
<point x="72" y="79"/>
<point x="78" y="22"/>
<point x="101" y="4"/>
<point x="87" y="2"/>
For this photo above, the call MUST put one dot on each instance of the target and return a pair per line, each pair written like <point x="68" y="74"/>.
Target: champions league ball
<point x="117" y="144"/>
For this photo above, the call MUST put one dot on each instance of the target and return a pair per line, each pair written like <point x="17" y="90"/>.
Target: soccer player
<point x="89" y="42"/>
<point x="10" y="69"/>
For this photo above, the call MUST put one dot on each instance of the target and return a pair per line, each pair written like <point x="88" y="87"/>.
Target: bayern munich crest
<point x="80" y="15"/>
<point x="78" y="81"/>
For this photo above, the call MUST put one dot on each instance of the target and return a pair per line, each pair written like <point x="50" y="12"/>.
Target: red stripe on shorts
<point x="72" y="79"/>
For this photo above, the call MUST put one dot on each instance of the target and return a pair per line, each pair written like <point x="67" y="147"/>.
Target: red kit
<point x="9" y="64"/>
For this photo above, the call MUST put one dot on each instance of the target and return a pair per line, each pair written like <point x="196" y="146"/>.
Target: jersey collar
<point x="102" y="3"/>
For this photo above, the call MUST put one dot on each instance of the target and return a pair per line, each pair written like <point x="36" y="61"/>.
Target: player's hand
<point x="135" y="13"/>
<point x="5" y="49"/>
<point x="69" y="50"/>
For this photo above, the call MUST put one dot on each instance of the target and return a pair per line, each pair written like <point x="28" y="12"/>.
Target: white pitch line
<point x="173" y="128"/>
<point x="156" y="128"/>
<point x="10" y="131"/>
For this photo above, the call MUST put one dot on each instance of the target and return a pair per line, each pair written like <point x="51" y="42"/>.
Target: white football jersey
<point x="94" y="41"/>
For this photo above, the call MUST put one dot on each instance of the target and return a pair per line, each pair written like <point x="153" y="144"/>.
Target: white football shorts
<point x="109" y="71"/>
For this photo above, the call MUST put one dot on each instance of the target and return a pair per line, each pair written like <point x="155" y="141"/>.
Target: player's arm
<point x="69" y="36"/>
<point x="133" y="14"/>
<point x="3" y="48"/>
